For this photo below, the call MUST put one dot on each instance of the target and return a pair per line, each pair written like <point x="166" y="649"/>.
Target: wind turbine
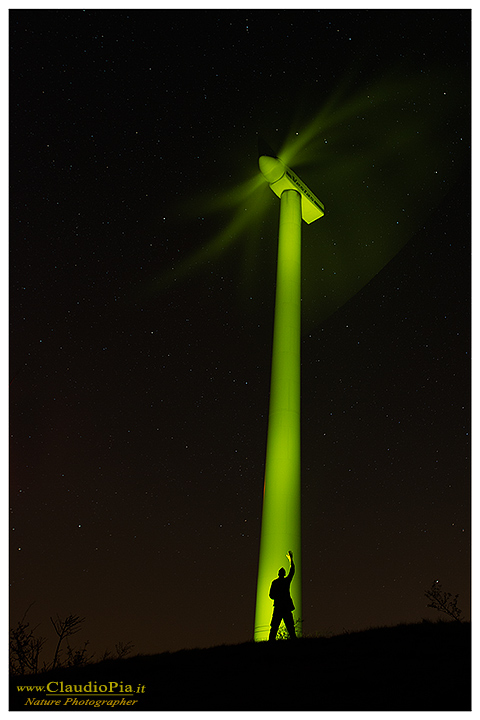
<point x="281" y="521"/>
<point x="347" y="265"/>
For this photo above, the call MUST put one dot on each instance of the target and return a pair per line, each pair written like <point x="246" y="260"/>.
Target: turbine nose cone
<point x="271" y="168"/>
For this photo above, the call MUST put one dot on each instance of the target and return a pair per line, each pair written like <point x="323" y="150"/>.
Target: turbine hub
<point x="281" y="178"/>
<point x="271" y="168"/>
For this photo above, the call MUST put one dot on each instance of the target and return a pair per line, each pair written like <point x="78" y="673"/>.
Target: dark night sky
<point x="142" y="271"/>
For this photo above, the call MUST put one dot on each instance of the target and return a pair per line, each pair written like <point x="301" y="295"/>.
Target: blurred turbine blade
<point x="233" y="196"/>
<point x="226" y="238"/>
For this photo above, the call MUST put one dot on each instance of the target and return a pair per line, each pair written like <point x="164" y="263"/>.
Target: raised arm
<point x="292" y="565"/>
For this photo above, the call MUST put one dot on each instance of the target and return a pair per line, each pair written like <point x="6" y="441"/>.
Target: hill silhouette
<point x="424" y="667"/>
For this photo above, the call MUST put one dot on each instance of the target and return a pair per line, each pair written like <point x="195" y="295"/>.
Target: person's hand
<point x="290" y="555"/>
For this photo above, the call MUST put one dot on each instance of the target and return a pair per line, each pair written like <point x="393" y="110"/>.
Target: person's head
<point x="281" y="572"/>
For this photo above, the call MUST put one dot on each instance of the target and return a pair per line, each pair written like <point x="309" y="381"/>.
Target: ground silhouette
<point x="424" y="667"/>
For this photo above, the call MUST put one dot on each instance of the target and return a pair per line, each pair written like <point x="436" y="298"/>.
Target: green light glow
<point x="349" y="140"/>
<point x="281" y="501"/>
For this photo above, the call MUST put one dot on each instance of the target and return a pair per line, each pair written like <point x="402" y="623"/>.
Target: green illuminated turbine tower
<point x="281" y="530"/>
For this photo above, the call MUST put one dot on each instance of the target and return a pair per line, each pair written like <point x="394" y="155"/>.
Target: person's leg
<point x="275" y="624"/>
<point x="288" y="620"/>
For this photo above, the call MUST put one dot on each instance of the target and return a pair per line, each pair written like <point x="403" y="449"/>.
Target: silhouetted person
<point x="282" y="602"/>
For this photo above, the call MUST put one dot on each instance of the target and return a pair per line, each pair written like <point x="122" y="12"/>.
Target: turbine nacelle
<point x="281" y="178"/>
